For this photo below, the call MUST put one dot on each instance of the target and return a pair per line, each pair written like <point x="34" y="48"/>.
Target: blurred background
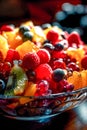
<point x="67" y="14"/>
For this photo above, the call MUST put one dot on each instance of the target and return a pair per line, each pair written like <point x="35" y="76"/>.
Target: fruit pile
<point x="40" y="60"/>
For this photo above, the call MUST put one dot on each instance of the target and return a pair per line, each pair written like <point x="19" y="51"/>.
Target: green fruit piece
<point x="17" y="81"/>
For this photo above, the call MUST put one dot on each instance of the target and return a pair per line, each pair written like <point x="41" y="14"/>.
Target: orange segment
<point x="28" y="23"/>
<point x="13" y="37"/>
<point x="29" y="91"/>
<point x="26" y="47"/>
<point x="76" y="80"/>
<point x="76" y="53"/>
<point x="3" y="46"/>
<point x="84" y="78"/>
<point x="38" y="34"/>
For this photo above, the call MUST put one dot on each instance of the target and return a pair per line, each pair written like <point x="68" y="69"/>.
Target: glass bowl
<point x="40" y="108"/>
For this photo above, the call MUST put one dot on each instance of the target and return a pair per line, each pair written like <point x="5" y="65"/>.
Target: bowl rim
<point x="48" y="96"/>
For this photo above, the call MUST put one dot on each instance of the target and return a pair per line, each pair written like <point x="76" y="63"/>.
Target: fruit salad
<point x="40" y="60"/>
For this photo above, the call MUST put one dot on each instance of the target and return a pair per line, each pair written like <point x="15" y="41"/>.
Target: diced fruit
<point x="3" y="46"/>
<point x="78" y="53"/>
<point x="17" y="81"/>
<point x="78" y="79"/>
<point x="29" y="92"/>
<point x="13" y="37"/>
<point x="40" y="60"/>
<point x="26" y="47"/>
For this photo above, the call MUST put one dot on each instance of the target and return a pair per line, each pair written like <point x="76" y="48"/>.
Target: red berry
<point x="68" y="87"/>
<point x="84" y="62"/>
<point x="59" y="63"/>
<point x="6" y="67"/>
<point x="43" y="71"/>
<point x="12" y="55"/>
<point x="1" y="56"/>
<point x="44" y="56"/>
<point x="42" y="88"/>
<point x="73" y="66"/>
<point x="52" y="36"/>
<point x="31" y="60"/>
<point x="6" y="28"/>
<point x="74" y="39"/>
<point x="59" y="54"/>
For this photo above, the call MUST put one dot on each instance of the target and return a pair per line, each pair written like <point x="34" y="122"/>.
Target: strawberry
<point x="30" y="60"/>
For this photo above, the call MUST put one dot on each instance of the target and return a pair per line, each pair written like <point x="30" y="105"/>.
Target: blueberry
<point x="45" y="26"/>
<point x="27" y="36"/>
<point x="2" y="86"/>
<point x="23" y="29"/>
<point x="58" y="75"/>
<point x="58" y="47"/>
<point x="48" y="46"/>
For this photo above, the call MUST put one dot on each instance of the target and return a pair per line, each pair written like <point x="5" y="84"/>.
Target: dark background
<point x="40" y="12"/>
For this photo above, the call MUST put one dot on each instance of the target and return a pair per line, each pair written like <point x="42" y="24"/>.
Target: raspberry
<point x="12" y="55"/>
<point x="52" y="36"/>
<point x="43" y="71"/>
<point x="30" y="60"/>
<point x="84" y="62"/>
<point x="44" y="56"/>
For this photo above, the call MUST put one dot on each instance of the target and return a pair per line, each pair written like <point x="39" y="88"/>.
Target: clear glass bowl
<point x="40" y="108"/>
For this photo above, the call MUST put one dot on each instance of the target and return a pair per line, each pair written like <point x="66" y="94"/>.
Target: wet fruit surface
<point x="37" y="60"/>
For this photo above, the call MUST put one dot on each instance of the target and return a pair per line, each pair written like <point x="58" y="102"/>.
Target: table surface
<point x="74" y="119"/>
